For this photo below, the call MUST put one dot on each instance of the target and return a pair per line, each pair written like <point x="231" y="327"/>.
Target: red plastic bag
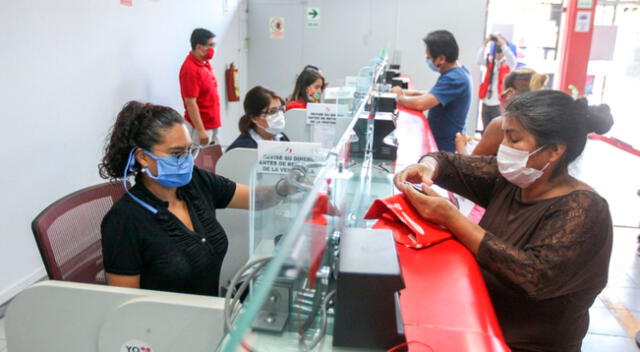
<point x="410" y="229"/>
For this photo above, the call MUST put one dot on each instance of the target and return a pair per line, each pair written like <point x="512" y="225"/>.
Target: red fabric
<point x="318" y="223"/>
<point x="298" y="104"/>
<point x="409" y="228"/>
<point x="503" y="71"/>
<point x="197" y="80"/>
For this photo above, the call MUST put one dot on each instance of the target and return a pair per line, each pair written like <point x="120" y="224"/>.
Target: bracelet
<point x="275" y="188"/>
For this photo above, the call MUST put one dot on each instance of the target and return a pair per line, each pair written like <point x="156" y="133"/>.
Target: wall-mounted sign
<point x="276" y="28"/>
<point x="313" y="17"/>
<point x="585" y="4"/>
<point x="583" y="21"/>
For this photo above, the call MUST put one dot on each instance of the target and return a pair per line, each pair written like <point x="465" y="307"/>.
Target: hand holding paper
<point x="430" y="205"/>
<point x="416" y="173"/>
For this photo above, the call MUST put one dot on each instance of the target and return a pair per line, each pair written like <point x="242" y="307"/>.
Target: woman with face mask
<point x="263" y="119"/>
<point x="163" y="233"/>
<point x="544" y="242"/>
<point x="308" y="89"/>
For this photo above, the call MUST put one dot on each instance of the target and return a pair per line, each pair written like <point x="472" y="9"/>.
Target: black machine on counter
<point x="369" y="280"/>
<point x="383" y="108"/>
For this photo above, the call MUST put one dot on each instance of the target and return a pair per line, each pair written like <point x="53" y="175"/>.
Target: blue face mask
<point x="173" y="171"/>
<point x="432" y="66"/>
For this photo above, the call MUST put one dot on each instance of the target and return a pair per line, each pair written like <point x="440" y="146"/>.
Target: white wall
<point x="464" y="18"/>
<point x="68" y="66"/>
<point x="351" y="32"/>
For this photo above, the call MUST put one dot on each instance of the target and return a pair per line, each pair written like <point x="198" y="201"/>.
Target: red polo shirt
<point x="197" y="80"/>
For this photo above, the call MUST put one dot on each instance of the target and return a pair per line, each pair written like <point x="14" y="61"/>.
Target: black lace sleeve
<point x="473" y="177"/>
<point x="569" y="238"/>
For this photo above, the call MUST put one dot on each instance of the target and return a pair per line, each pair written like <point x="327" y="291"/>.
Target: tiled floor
<point x="623" y="290"/>
<point x="605" y="332"/>
<point x="614" y="174"/>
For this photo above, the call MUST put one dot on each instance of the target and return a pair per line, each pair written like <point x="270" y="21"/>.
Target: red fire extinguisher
<point x="231" y="78"/>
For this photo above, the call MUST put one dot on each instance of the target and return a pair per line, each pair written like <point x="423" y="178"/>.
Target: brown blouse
<point x="544" y="262"/>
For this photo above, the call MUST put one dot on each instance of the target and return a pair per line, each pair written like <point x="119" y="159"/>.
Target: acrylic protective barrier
<point x="286" y="305"/>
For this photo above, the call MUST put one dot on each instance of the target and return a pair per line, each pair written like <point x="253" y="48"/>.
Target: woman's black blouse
<point x="159" y="247"/>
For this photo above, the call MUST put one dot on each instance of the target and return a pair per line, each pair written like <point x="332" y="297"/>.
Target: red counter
<point x="445" y="304"/>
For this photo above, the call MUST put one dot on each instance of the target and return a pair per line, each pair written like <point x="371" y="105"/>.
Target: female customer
<point x="545" y="240"/>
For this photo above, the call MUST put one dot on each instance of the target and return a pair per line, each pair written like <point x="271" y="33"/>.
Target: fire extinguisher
<point x="231" y="78"/>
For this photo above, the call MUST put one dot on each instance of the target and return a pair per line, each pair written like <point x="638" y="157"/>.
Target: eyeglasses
<point x="274" y="110"/>
<point x="183" y="156"/>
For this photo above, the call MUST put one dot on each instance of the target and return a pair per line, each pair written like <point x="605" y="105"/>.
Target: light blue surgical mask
<point x="173" y="171"/>
<point x="432" y="66"/>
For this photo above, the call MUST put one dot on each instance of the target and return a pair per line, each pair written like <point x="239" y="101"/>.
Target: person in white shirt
<point x="498" y="62"/>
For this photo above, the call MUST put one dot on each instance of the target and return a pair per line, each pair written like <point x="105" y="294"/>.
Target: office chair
<point x="68" y="233"/>
<point x="208" y="157"/>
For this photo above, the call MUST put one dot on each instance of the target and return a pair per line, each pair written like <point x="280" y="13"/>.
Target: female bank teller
<point x="163" y="233"/>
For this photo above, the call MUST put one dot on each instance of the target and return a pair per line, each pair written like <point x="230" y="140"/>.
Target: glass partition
<point x="297" y="216"/>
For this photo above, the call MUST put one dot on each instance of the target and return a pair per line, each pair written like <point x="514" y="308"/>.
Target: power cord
<point x="232" y="303"/>
<point x="323" y="324"/>
<point x="406" y="344"/>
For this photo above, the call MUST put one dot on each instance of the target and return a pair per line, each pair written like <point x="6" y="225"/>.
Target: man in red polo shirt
<point x="199" y="88"/>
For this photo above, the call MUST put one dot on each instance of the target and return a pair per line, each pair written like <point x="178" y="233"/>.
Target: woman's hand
<point x="431" y="206"/>
<point x="416" y="173"/>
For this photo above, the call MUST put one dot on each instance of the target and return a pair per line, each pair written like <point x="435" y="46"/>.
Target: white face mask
<point x="512" y="164"/>
<point x="275" y="123"/>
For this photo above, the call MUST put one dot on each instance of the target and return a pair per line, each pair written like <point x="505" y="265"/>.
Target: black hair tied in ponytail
<point x="598" y="118"/>
<point x="554" y="117"/>
<point x="137" y="125"/>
